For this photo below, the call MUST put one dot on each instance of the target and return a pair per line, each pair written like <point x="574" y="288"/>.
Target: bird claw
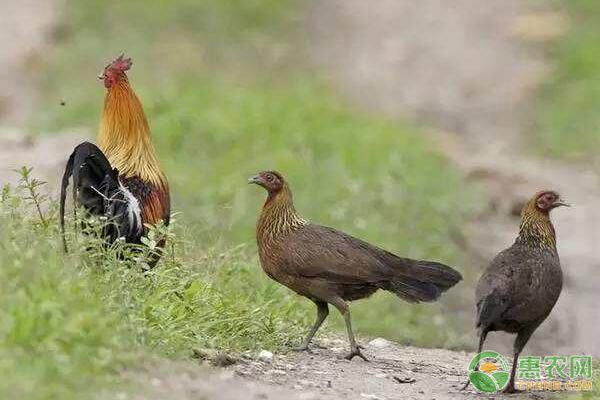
<point x="510" y="389"/>
<point x="302" y="347"/>
<point x="466" y="385"/>
<point x="356" y="353"/>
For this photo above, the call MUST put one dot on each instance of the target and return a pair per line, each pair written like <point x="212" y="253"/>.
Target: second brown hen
<point x="522" y="283"/>
<point x="330" y="267"/>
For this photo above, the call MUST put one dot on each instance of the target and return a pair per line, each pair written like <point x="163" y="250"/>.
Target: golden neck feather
<point x="278" y="217"/>
<point x="536" y="228"/>
<point x="124" y="136"/>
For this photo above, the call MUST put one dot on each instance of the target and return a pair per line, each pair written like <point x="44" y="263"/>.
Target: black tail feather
<point x="63" y="194"/>
<point x="96" y="188"/>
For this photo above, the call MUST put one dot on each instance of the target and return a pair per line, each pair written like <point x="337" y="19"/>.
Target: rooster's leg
<point x="322" y="313"/>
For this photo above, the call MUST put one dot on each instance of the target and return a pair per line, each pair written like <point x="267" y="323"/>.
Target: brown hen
<point x="330" y="267"/>
<point x="522" y="283"/>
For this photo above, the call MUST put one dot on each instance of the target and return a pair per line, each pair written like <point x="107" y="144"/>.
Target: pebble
<point x="379" y="343"/>
<point x="277" y="372"/>
<point x="155" y="382"/>
<point x="265" y="356"/>
<point x="370" y="396"/>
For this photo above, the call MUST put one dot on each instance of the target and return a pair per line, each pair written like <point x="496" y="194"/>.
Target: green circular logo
<point x="489" y="372"/>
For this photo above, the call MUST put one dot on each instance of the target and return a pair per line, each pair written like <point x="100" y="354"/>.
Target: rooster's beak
<point x="561" y="203"/>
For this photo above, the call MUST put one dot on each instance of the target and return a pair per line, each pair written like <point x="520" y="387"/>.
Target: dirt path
<point x="25" y="36"/>
<point x="467" y="70"/>
<point x="393" y="372"/>
<point x="26" y="31"/>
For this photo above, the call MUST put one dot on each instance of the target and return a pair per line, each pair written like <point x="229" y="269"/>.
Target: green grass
<point x="568" y="122"/>
<point x="70" y="324"/>
<point x="227" y="94"/>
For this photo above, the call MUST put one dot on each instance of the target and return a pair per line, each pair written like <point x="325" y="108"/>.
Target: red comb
<point x="121" y="64"/>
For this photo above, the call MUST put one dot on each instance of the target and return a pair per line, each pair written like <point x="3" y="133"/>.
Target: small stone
<point x="277" y="372"/>
<point x="155" y="382"/>
<point x="222" y="359"/>
<point x="381" y="376"/>
<point x="265" y="356"/>
<point x="379" y="343"/>
<point x="370" y="396"/>
<point x="404" y="379"/>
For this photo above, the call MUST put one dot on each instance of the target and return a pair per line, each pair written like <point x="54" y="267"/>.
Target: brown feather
<point x="125" y="139"/>
<point x="323" y="263"/>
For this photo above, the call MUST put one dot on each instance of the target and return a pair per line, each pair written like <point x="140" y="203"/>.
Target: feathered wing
<point x="98" y="189"/>
<point x="342" y="259"/>
<point x="512" y="289"/>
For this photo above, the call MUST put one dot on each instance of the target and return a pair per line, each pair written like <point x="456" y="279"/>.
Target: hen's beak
<point x="561" y="203"/>
<point x="254" y="180"/>
<point x="101" y="76"/>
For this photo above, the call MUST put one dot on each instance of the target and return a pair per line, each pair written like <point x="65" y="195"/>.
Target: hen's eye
<point x="270" y="178"/>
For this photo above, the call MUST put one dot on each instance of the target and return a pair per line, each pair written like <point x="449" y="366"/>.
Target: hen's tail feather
<point x="489" y="310"/>
<point x="417" y="281"/>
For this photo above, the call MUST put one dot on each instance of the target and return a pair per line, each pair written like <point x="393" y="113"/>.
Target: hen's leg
<point x="520" y="342"/>
<point x="322" y="313"/>
<point x="482" y="337"/>
<point x="343" y="308"/>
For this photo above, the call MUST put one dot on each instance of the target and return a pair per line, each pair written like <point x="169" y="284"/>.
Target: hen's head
<point x="115" y="71"/>
<point x="544" y="201"/>
<point x="272" y="181"/>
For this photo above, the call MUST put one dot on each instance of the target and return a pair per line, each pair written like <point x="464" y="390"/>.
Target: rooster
<point x="120" y="181"/>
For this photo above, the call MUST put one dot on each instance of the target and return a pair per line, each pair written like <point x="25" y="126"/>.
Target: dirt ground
<point x="393" y="372"/>
<point x="25" y="35"/>
<point x="465" y="70"/>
